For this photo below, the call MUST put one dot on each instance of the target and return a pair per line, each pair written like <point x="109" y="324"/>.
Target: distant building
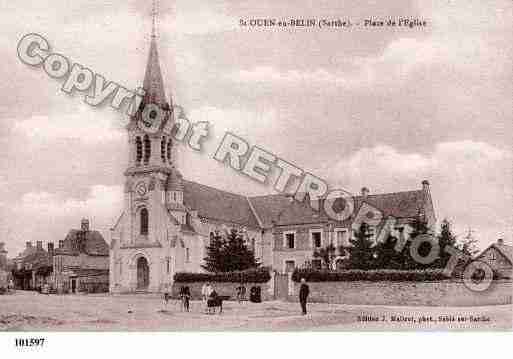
<point x="499" y="256"/>
<point x="4" y="270"/>
<point x="32" y="267"/>
<point x="81" y="262"/>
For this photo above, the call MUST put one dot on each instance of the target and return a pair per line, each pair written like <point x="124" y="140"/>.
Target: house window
<point x="316" y="264"/>
<point x="493" y="257"/>
<point x="144" y="221"/>
<point x="290" y="239"/>
<point x="187" y="255"/>
<point x="289" y="266"/>
<point x="167" y="265"/>
<point x="253" y="244"/>
<point x="316" y="239"/>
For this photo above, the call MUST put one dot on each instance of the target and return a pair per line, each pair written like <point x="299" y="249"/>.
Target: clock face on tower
<point x="140" y="188"/>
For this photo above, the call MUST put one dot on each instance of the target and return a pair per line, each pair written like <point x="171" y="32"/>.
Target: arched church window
<point x="163" y="149"/>
<point x="147" y="149"/>
<point x="169" y="144"/>
<point x="144" y="221"/>
<point x="138" y="150"/>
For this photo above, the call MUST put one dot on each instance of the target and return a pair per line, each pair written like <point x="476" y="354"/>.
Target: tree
<point x="361" y="253"/>
<point x="387" y="257"/>
<point x="327" y="254"/>
<point x="214" y="261"/>
<point x="445" y="238"/>
<point x="236" y="255"/>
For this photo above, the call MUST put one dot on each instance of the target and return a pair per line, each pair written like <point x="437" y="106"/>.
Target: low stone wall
<point x="442" y="293"/>
<point x="222" y="288"/>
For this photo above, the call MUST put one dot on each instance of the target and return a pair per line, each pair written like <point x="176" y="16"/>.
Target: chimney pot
<point x="84" y="225"/>
<point x="425" y="185"/>
<point x="28" y="244"/>
<point x="61" y="243"/>
<point x="500" y="241"/>
<point x="39" y="244"/>
<point x="50" y="247"/>
<point x="365" y="192"/>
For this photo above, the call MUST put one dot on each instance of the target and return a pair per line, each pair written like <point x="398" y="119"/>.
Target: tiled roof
<point x="286" y="212"/>
<point x="269" y="207"/>
<point x="282" y="210"/>
<point x="218" y="205"/>
<point x="94" y="243"/>
<point x="507" y="251"/>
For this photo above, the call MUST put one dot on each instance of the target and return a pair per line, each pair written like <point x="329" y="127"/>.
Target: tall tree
<point x="236" y="255"/>
<point x="214" y="261"/>
<point x="386" y="255"/>
<point x="361" y="253"/>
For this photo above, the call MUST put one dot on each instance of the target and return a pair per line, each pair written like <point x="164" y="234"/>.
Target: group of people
<point x="211" y="299"/>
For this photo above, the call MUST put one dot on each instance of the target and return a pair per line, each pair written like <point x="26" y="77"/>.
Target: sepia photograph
<point x="240" y="166"/>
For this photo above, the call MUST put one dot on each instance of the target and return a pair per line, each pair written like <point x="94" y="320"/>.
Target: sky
<point x="383" y="108"/>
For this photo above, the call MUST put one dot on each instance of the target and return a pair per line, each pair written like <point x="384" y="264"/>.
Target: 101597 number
<point x="29" y="342"/>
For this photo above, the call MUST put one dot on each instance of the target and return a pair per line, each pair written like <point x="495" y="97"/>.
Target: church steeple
<point x="150" y="141"/>
<point x="153" y="83"/>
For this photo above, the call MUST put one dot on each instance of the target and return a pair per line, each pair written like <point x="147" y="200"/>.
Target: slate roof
<point x="507" y="251"/>
<point x="281" y="209"/>
<point x="94" y="243"/>
<point x="218" y="205"/>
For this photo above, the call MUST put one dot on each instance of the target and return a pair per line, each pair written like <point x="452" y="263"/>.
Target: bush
<point x="369" y="275"/>
<point x="249" y="276"/>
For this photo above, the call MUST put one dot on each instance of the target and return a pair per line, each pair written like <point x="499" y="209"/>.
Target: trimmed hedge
<point x="350" y="275"/>
<point x="249" y="276"/>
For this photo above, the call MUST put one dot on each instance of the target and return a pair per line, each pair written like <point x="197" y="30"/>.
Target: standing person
<point x="304" y="290"/>
<point x="205" y="293"/>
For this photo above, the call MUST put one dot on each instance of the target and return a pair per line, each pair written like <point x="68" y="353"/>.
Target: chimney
<point x="84" y="225"/>
<point x="61" y="243"/>
<point x="500" y="241"/>
<point x="50" y="247"/>
<point x="425" y="185"/>
<point x="39" y="244"/>
<point x="28" y="244"/>
<point x="365" y="192"/>
<point x="2" y="248"/>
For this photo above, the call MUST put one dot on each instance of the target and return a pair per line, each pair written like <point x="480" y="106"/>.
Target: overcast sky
<point x="382" y="108"/>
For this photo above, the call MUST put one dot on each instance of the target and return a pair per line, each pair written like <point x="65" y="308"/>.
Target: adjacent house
<point x="81" y="262"/>
<point x="33" y="266"/>
<point x="499" y="256"/>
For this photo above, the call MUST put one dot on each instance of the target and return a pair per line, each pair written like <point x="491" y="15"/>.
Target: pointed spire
<point x="153" y="83"/>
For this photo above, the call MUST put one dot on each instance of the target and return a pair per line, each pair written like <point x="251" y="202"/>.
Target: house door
<point x="73" y="286"/>
<point x="143" y="273"/>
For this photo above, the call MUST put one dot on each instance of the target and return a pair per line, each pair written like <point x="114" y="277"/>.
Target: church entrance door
<point x="143" y="273"/>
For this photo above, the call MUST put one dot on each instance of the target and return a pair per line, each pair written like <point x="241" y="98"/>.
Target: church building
<point x="167" y="220"/>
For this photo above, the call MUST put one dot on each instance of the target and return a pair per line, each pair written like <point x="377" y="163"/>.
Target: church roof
<point x="281" y="209"/>
<point x="153" y="83"/>
<point x="218" y="205"/>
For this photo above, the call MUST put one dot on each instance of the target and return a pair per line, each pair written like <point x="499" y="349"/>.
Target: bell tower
<point x="150" y="154"/>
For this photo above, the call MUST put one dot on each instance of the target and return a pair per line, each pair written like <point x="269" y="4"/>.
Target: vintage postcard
<point x="173" y="166"/>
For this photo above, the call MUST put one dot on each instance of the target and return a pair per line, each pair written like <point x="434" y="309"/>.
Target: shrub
<point x="249" y="276"/>
<point x="369" y="275"/>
